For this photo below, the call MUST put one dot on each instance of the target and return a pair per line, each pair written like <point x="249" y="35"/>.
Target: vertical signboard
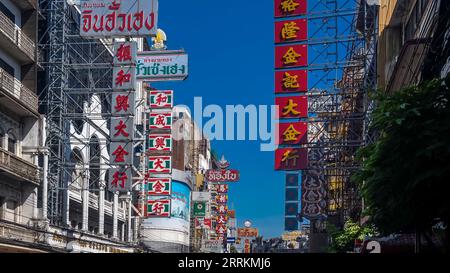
<point x="122" y="114"/>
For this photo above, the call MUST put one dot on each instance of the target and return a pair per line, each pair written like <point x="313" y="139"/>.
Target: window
<point x="12" y="144"/>
<point x="7" y="12"/>
<point x="10" y="212"/>
<point x="6" y="67"/>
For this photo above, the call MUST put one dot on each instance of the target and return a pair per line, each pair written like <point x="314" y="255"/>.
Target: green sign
<point x="200" y="209"/>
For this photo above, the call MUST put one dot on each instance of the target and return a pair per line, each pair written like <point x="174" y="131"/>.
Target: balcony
<point x="17" y="168"/>
<point x="13" y="93"/>
<point x="26" y="4"/>
<point x="13" y="38"/>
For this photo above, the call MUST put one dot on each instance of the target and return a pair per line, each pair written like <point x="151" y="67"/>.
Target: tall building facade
<point x="19" y="125"/>
<point x="413" y="42"/>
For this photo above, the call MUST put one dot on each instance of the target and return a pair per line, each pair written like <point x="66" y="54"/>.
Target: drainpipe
<point x="45" y="169"/>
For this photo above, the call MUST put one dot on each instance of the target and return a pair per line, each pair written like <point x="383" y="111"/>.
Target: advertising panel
<point x="162" y="65"/>
<point x="112" y="18"/>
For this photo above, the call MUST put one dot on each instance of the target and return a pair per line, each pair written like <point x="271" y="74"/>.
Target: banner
<point x="112" y="18"/>
<point x="162" y="66"/>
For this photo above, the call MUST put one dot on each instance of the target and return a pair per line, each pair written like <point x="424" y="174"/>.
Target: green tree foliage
<point x="405" y="174"/>
<point x="344" y="240"/>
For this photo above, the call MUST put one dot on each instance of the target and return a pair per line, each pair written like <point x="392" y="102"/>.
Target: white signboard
<point x="118" y="18"/>
<point x="162" y="65"/>
<point x="201" y="196"/>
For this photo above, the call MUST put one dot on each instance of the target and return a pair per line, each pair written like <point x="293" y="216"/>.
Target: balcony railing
<point x="18" y="166"/>
<point x="16" y="89"/>
<point x="15" y="34"/>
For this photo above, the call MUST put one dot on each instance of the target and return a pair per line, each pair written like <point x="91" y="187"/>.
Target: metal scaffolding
<point x="341" y="72"/>
<point x="75" y="85"/>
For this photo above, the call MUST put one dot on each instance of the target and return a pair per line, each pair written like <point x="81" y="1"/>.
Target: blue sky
<point x="230" y="47"/>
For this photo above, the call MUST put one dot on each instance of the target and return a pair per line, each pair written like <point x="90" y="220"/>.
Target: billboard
<point x="112" y="18"/>
<point x="162" y="65"/>
<point x="180" y="201"/>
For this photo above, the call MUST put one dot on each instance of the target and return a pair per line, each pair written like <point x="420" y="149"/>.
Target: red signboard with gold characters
<point x="291" y="31"/>
<point x="291" y="159"/>
<point x="292" y="107"/>
<point x="291" y="56"/>
<point x="291" y="81"/>
<point x="285" y="8"/>
<point x="292" y="133"/>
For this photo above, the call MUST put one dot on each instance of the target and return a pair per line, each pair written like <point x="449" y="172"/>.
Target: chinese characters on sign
<point x="291" y="31"/>
<point x="158" y="186"/>
<point x="284" y="8"/>
<point x="160" y="164"/>
<point x="160" y="143"/>
<point x="291" y="76"/>
<point x="291" y="56"/>
<point x="161" y="99"/>
<point x="160" y="120"/>
<point x="122" y="116"/>
<point x="291" y="159"/>
<point x="158" y="208"/>
<point x="292" y="107"/>
<point x="293" y="133"/>
<point x="291" y="81"/>
<point x="112" y="18"/>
